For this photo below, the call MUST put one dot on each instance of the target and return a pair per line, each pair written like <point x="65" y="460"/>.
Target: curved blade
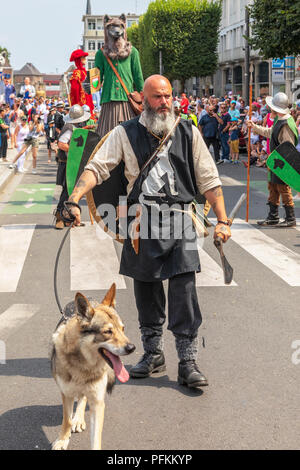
<point x="227" y="269"/>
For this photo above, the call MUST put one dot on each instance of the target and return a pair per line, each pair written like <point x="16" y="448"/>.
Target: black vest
<point x="161" y="258"/>
<point x="274" y="142"/>
<point x="61" y="155"/>
<point x="181" y="159"/>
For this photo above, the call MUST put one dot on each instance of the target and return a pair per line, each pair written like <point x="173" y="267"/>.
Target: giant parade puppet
<point x="119" y="68"/>
<point x="121" y="75"/>
<point x="79" y="93"/>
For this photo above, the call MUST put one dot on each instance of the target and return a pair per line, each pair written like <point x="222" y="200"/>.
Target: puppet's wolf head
<point x="116" y="45"/>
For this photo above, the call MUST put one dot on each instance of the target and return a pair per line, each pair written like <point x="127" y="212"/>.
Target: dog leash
<point x="71" y="220"/>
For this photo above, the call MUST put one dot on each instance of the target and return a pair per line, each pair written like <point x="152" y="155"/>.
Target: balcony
<point x="94" y="33"/>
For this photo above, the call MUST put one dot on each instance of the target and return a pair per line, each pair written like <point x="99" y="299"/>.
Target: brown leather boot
<point x="59" y="224"/>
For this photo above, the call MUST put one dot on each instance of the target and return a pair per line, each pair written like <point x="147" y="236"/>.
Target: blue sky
<point x="44" y="32"/>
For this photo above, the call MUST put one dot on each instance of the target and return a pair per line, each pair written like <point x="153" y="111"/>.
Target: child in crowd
<point x="258" y="154"/>
<point x="262" y="154"/>
<point x="234" y="140"/>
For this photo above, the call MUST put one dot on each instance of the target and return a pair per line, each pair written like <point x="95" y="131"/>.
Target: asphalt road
<point x="246" y="352"/>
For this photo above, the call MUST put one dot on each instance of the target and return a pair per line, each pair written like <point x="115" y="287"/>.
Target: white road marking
<point x="14" y="244"/>
<point x="284" y="262"/>
<point x="14" y="317"/>
<point x="30" y="203"/>
<point x="211" y="272"/>
<point x="228" y="181"/>
<point x="26" y="191"/>
<point x="94" y="262"/>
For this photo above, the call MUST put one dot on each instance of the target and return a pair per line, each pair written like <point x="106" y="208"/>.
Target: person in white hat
<point x="283" y="130"/>
<point x="77" y="117"/>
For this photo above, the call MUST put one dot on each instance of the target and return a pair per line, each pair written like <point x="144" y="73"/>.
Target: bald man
<point x="167" y="242"/>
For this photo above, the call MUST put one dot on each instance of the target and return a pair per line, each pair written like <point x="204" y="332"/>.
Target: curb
<point x="6" y="177"/>
<point x="6" y="174"/>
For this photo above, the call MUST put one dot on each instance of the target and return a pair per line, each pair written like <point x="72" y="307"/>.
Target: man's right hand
<point x="250" y="124"/>
<point x="76" y="213"/>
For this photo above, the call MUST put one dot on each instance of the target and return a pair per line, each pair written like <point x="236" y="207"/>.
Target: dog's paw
<point x="78" y="425"/>
<point x="60" y="444"/>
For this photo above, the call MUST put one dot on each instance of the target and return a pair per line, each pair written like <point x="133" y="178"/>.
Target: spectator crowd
<point x="221" y="121"/>
<point x="223" y="125"/>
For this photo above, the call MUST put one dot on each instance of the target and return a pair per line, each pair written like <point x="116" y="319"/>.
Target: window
<point x="238" y="75"/>
<point x="234" y="38"/>
<point x="91" y="24"/>
<point x="100" y="25"/>
<point x="91" y="64"/>
<point x="100" y="45"/>
<point x="224" y="8"/>
<point x="92" y="46"/>
<point x="242" y="34"/>
<point x="263" y="72"/>
<point x="225" y="41"/>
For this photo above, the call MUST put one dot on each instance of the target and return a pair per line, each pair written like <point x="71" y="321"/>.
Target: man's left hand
<point x="222" y="231"/>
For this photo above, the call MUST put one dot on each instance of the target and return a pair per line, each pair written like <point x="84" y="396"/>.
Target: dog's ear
<point x="110" y="298"/>
<point x="123" y="18"/>
<point x="83" y="306"/>
<point x="106" y="19"/>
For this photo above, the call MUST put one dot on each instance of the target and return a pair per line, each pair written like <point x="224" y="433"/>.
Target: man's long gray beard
<point x="158" y="123"/>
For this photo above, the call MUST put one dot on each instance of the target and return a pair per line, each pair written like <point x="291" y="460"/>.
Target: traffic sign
<point x="278" y="64"/>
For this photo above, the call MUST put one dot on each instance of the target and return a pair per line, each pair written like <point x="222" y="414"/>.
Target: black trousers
<point x="3" y="146"/>
<point x="183" y="308"/>
<point x="216" y="146"/>
<point x="62" y="181"/>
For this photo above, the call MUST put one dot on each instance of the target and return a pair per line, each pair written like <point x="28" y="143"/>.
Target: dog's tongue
<point x="120" y="371"/>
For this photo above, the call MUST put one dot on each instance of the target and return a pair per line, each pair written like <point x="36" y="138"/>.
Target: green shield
<point x="284" y="161"/>
<point x="82" y="144"/>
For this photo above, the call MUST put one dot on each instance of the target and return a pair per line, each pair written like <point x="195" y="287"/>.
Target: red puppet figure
<point x="77" y="93"/>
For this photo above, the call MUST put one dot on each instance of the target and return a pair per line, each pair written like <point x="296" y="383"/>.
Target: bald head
<point x="156" y="82"/>
<point x="157" y="93"/>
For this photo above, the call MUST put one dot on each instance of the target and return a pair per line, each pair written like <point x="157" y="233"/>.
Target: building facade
<point x="230" y="75"/>
<point x="93" y="35"/>
<point x="267" y="77"/>
<point x="30" y="71"/>
<point x="46" y="85"/>
<point x="52" y="85"/>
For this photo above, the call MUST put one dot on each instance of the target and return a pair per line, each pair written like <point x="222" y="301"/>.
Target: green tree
<point x="133" y="35"/>
<point x="186" y="32"/>
<point x="3" y="49"/>
<point x="275" y="27"/>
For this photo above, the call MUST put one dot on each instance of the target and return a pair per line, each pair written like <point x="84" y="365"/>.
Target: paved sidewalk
<point x="6" y="174"/>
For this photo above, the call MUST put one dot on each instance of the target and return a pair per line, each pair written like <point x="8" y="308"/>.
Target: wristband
<point x="71" y="216"/>
<point x="74" y="204"/>
<point x="223" y="222"/>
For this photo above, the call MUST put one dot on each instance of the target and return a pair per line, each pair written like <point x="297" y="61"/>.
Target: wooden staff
<point x="249" y="141"/>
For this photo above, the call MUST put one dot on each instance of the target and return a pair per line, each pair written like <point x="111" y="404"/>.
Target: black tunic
<point x="168" y="243"/>
<point x="274" y="143"/>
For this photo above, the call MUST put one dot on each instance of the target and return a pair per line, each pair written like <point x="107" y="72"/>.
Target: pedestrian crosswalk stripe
<point x="14" y="317"/>
<point x="95" y="264"/>
<point x="94" y="261"/>
<point x="211" y="273"/>
<point x="284" y="262"/>
<point x="228" y="181"/>
<point x="14" y="244"/>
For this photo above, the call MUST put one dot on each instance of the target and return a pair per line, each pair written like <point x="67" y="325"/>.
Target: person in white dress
<point x="21" y="132"/>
